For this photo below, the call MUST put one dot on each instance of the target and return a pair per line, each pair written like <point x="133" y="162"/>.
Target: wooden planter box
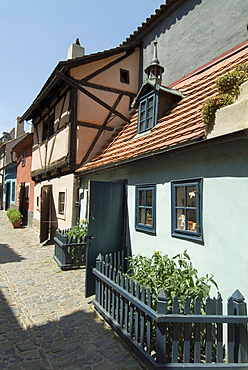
<point x="68" y="255"/>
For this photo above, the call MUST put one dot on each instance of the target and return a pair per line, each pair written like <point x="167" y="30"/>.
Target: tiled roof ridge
<point x="182" y="125"/>
<point x="213" y="62"/>
<point x="148" y="21"/>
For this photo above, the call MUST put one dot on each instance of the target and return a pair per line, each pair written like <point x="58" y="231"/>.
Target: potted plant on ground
<point x="15" y="217"/>
<point x="70" y="245"/>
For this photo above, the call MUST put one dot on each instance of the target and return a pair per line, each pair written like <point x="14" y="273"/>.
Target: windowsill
<point x="61" y="217"/>
<point x="141" y="134"/>
<point x="144" y="229"/>
<point x="188" y="236"/>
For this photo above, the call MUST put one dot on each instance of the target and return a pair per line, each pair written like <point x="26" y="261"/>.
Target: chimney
<point x="19" y="127"/>
<point x="75" y="50"/>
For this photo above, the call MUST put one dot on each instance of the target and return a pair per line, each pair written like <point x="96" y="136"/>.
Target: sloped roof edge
<point x="66" y="65"/>
<point x="164" y="11"/>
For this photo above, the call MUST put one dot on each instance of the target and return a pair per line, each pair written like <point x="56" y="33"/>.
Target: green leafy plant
<point x="231" y="81"/>
<point x="176" y="276"/>
<point x="15" y="216"/>
<point x="9" y="211"/>
<point x="228" y="86"/>
<point x="211" y="105"/>
<point x="78" y="232"/>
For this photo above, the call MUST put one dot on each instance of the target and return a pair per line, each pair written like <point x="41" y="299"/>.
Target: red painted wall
<point x="23" y="172"/>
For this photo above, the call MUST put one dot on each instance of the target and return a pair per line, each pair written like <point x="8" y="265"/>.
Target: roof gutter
<point x="193" y="145"/>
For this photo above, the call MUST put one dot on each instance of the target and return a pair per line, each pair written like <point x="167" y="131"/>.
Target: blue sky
<point x="35" y="36"/>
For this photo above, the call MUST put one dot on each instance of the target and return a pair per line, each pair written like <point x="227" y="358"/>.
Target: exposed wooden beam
<point x="93" y="125"/>
<point x="99" y="132"/>
<point x="106" y="88"/>
<point x="77" y="85"/>
<point x="107" y="66"/>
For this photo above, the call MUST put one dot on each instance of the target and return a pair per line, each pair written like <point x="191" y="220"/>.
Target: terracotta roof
<point x="182" y="125"/>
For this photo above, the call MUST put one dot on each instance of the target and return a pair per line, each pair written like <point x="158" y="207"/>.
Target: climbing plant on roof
<point x="228" y="86"/>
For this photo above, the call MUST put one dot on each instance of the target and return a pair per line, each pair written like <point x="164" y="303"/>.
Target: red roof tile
<point x="183" y="124"/>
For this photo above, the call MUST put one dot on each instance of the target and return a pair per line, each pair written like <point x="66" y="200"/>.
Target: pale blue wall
<point x="224" y="170"/>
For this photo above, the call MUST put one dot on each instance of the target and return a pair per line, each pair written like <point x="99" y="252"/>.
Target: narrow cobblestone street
<point x="45" y="321"/>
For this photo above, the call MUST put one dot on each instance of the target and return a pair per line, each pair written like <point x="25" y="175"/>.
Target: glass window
<point x="13" y="192"/>
<point x="61" y="203"/>
<point x="147" y="113"/>
<point x="23" y="157"/>
<point x="187" y="208"/>
<point x="145" y="208"/>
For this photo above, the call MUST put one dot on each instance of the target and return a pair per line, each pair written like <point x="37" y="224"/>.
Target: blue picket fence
<point x="171" y="340"/>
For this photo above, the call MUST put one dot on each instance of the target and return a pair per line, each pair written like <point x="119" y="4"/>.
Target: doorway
<point x="106" y="224"/>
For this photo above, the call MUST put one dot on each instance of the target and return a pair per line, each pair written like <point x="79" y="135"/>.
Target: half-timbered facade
<point x="84" y="101"/>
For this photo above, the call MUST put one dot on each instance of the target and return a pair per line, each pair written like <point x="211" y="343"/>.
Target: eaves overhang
<point x="177" y="149"/>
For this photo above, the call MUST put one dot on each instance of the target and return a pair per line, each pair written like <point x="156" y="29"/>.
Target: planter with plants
<point x="228" y="87"/>
<point x="70" y="246"/>
<point x="15" y="217"/>
<point x="178" y="278"/>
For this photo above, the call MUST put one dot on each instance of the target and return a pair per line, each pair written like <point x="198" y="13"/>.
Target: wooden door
<point x="106" y="224"/>
<point x="46" y="192"/>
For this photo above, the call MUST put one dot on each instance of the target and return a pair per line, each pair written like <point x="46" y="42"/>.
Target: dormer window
<point x="147" y="112"/>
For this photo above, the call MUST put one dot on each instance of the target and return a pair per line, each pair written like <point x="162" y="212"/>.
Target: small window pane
<point x="191" y="217"/>
<point x="149" y="122"/>
<point x="148" y="217"/>
<point x="142" y="116"/>
<point x="142" y="201"/>
<point x="180" y="219"/>
<point x="191" y="193"/>
<point x="142" y="216"/>
<point x="150" y="102"/>
<point x="149" y="198"/>
<point x="143" y="106"/>
<point x="180" y="196"/>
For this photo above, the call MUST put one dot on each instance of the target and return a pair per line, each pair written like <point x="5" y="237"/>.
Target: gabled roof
<point x="148" y="85"/>
<point x="182" y="125"/>
<point x="64" y="66"/>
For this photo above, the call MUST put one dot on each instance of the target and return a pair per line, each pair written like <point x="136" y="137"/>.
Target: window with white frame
<point x="61" y="202"/>
<point x="187" y="209"/>
<point x="147" y="112"/>
<point x="145" y="208"/>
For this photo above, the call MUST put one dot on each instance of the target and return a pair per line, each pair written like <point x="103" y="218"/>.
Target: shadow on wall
<point x="182" y="11"/>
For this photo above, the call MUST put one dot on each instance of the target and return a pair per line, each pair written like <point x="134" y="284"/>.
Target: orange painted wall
<point x="23" y="173"/>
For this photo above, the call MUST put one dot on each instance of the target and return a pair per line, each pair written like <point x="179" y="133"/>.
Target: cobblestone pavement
<point x="45" y="321"/>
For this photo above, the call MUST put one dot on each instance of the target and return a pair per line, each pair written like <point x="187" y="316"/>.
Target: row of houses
<point x="118" y="138"/>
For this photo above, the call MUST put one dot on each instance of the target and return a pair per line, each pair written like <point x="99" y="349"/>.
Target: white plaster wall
<point x="64" y="183"/>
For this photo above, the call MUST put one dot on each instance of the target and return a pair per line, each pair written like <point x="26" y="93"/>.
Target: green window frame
<point x="146" y="208"/>
<point x="147" y="112"/>
<point x="187" y="209"/>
